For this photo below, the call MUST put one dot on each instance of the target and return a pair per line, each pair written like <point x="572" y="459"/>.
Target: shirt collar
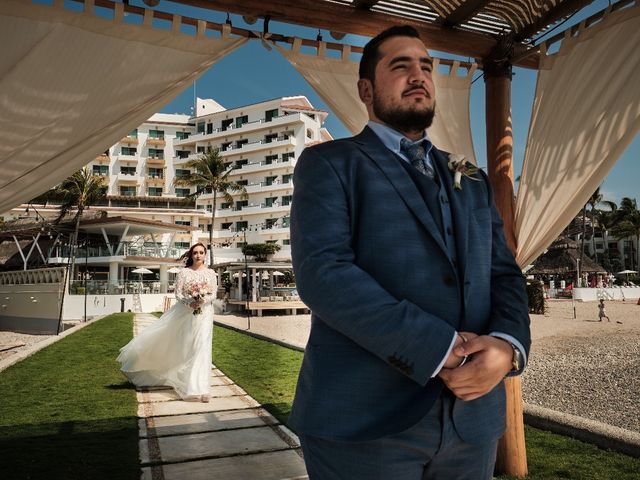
<point x="391" y="139"/>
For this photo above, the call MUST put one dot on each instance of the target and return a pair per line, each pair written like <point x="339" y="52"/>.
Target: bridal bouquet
<point x="198" y="291"/>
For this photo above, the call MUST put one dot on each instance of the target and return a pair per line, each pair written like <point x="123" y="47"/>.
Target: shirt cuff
<point x="439" y="367"/>
<point x="512" y="340"/>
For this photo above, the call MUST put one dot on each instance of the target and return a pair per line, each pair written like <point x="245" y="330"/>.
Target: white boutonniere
<point x="460" y="167"/>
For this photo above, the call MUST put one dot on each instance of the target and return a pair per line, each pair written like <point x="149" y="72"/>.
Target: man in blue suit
<point x="419" y="309"/>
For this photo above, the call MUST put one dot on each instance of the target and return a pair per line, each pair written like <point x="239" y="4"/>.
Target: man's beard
<point x="408" y="120"/>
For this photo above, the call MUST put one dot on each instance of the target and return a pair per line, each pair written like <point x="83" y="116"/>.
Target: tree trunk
<point x="584" y="228"/>
<point x="213" y="219"/>
<point x="74" y="247"/>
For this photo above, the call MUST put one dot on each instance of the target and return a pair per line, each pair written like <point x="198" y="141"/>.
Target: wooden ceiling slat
<point x="464" y="12"/>
<point x="333" y="16"/>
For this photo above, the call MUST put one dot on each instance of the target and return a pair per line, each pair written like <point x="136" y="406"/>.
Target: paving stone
<point x="207" y="422"/>
<point x="219" y="444"/>
<point x="170" y="394"/>
<point x="263" y="466"/>
<point x="180" y="407"/>
<point x="220" y="380"/>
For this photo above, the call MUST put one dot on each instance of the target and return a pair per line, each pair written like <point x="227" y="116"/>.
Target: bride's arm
<point x="179" y="290"/>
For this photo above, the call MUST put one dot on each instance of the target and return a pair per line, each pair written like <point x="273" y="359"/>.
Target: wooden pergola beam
<point x="556" y="14"/>
<point x="341" y="18"/>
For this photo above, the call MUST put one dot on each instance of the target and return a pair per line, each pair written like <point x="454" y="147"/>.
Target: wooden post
<point x="512" y="454"/>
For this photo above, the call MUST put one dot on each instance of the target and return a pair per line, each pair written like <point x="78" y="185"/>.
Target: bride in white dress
<point x="176" y="350"/>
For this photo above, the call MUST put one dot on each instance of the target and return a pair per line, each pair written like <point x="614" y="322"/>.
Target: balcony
<point x="126" y="158"/>
<point x="102" y="158"/>
<point x="128" y="178"/>
<point x="155" y="161"/>
<point x="245" y="128"/>
<point x="103" y="178"/>
<point x="155" y="180"/>
<point x="157" y="142"/>
<point x="259" y="166"/>
<point x="129" y="140"/>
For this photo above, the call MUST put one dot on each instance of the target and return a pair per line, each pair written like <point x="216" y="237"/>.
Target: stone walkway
<point x="230" y="437"/>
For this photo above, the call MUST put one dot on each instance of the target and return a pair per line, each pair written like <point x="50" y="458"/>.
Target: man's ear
<point x="365" y="91"/>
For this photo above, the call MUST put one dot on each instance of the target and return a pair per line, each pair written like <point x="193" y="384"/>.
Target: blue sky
<point x="253" y="74"/>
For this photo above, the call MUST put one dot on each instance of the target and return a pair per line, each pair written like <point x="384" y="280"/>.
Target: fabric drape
<point x="73" y="83"/>
<point x="335" y="80"/>
<point x="585" y="113"/>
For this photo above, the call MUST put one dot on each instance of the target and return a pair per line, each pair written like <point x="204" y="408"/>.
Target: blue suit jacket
<point x="385" y="296"/>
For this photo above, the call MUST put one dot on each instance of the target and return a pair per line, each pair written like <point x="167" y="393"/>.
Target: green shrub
<point x="535" y="292"/>
<point x="260" y="251"/>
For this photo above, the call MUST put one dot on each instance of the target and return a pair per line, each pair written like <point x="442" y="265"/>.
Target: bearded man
<point x="418" y="308"/>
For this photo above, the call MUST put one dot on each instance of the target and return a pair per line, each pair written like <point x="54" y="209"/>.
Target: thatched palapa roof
<point x="561" y="258"/>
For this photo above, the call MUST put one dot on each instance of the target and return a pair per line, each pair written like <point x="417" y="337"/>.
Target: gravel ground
<point x="577" y="365"/>
<point x="585" y="367"/>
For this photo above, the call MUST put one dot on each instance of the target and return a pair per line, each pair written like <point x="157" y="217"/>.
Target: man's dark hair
<point x="371" y="55"/>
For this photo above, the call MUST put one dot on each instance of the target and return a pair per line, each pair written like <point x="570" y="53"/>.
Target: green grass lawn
<point x="268" y="372"/>
<point x="68" y="413"/>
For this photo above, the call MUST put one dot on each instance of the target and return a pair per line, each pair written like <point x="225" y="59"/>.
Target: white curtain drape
<point x="586" y="112"/>
<point x="72" y="84"/>
<point x="335" y="80"/>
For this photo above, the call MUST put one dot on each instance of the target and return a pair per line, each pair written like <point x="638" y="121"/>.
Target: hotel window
<point x="270" y="115"/>
<point x="286" y="199"/>
<point x="127" y="191"/>
<point x="272" y="137"/>
<point x="182" y="153"/>
<point x="182" y="135"/>
<point x="156" y="172"/>
<point x="285" y="222"/>
<point x="200" y="127"/>
<point x="127" y="170"/>
<point x="101" y="170"/>
<point x="182" y="244"/>
<point x="270" y="222"/>
<point x="209" y="128"/>
<point x="199" y="149"/>
<point x="288" y="156"/>
<point x="269" y="159"/>
<point x="240" y="163"/>
<point x="227" y="165"/>
<point x="156" y="134"/>
<point x="182" y="173"/>
<point x="309" y="133"/>
<point x="269" y="180"/>
<point x="133" y="133"/>
<point x="287" y="178"/>
<point x="241" y="120"/>
<point x="241" y="225"/>
<point x="286" y="241"/>
<point x="154" y="191"/>
<point x="183" y="222"/>
<point x="226" y="124"/>
<point x="286" y="135"/>
<point x="270" y="201"/>
<point x="225" y="146"/>
<point x="226" y="226"/>
<point x="182" y="192"/>
<point x="274" y="242"/>
<point x="225" y="206"/>
<point x="156" y="153"/>
<point x="241" y="203"/>
<point x="240" y="143"/>
<point x="244" y="183"/>
<point x="129" y="151"/>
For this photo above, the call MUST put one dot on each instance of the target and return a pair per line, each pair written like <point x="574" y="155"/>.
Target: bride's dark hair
<point x="189" y="253"/>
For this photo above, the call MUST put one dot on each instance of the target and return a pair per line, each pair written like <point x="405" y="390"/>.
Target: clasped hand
<point x="196" y="304"/>
<point x="489" y="362"/>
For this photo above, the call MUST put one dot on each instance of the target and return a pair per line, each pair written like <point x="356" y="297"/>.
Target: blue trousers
<point x="430" y="450"/>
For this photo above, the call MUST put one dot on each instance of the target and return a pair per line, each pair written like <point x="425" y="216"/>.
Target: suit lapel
<point x="459" y="203"/>
<point x="401" y="181"/>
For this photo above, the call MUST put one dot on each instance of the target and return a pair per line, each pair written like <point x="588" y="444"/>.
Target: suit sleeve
<point x="509" y="301"/>
<point x="341" y="293"/>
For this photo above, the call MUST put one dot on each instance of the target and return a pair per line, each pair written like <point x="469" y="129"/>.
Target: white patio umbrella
<point x="174" y="270"/>
<point x="626" y="272"/>
<point x="140" y="271"/>
<point x="277" y="273"/>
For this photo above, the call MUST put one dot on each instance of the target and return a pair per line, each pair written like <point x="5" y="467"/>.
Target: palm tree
<point x="605" y="220"/>
<point x="209" y="174"/>
<point x="594" y="200"/>
<point x="628" y="225"/>
<point x="79" y="191"/>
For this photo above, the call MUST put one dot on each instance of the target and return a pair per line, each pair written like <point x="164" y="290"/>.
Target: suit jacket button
<point x="449" y="281"/>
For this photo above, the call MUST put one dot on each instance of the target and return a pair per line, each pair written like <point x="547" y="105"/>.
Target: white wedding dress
<point x="175" y="350"/>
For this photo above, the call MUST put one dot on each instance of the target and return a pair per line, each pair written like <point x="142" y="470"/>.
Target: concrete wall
<point x="30" y="308"/>
<point x="106" y="304"/>
<point x="616" y="293"/>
